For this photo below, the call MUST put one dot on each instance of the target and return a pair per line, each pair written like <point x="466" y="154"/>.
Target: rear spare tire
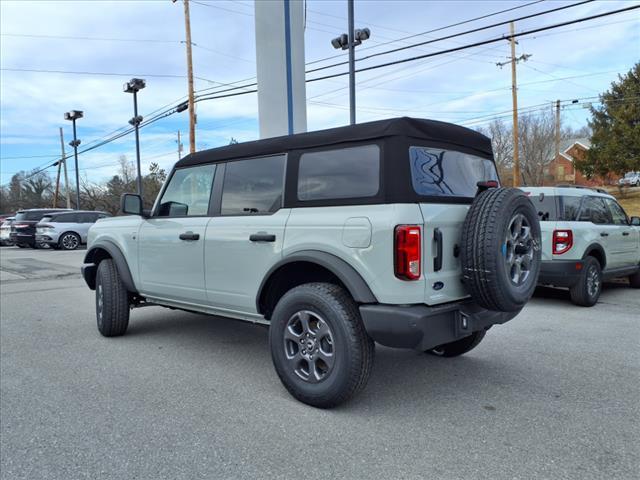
<point x="500" y="252"/>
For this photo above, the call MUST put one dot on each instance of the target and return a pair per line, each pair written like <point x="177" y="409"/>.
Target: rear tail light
<point x="408" y="252"/>
<point x="562" y="241"/>
<point x="20" y="225"/>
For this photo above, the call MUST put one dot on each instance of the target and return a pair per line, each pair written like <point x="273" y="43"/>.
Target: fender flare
<point x="118" y="258"/>
<point x="348" y="275"/>
<point x="597" y="247"/>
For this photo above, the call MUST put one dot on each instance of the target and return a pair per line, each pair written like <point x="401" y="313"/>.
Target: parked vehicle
<point x="391" y="231"/>
<point x="587" y="238"/>
<point x="631" y="179"/>
<point x="67" y="230"/>
<point x="5" y="231"/>
<point x="23" y="229"/>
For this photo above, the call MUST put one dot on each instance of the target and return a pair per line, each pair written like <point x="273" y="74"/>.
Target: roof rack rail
<point x="566" y="185"/>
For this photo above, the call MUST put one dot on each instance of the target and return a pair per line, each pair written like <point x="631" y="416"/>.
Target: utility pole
<point x="192" y="113"/>
<point x="352" y="64"/>
<point x="64" y="164"/>
<point x="514" y="96"/>
<point x="557" y="128"/>
<point x="55" y="195"/>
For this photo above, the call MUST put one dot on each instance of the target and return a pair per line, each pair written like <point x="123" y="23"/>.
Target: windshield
<point x="28" y="216"/>
<point x="438" y="172"/>
<point x="630" y="174"/>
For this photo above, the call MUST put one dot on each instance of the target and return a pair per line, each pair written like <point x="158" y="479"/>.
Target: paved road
<point x="553" y="394"/>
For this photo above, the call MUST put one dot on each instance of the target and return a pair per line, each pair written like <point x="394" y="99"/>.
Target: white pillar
<point x="281" y="79"/>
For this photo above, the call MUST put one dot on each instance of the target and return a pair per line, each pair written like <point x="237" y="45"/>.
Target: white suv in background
<point x="586" y="238"/>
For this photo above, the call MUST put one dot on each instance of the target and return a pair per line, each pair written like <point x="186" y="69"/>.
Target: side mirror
<point x="635" y="221"/>
<point x="131" y="203"/>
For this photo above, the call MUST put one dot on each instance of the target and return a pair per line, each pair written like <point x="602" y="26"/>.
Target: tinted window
<point x="30" y="216"/>
<point x="253" y="186"/>
<point x="345" y="173"/>
<point x="546" y="206"/>
<point x="617" y="213"/>
<point x="65" y="218"/>
<point x="438" y="172"/>
<point x="594" y="210"/>
<point x="570" y="208"/>
<point x="188" y="192"/>
<point x="87" y="217"/>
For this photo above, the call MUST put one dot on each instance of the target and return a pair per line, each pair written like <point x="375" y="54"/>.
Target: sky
<point x="109" y="42"/>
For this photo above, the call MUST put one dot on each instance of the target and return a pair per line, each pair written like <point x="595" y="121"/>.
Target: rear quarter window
<point x="570" y="206"/>
<point x="546" y="206"/>
<point x="448" y="173"/>
<point x="352" y="172"/>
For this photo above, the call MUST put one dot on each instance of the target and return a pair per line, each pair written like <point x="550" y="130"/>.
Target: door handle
<point x="437" y="260"/>
<point x="262" y="237"/>
<point x="626" y="234"/>
<point x="189" y="236"/>
<point x="604" y="234"/>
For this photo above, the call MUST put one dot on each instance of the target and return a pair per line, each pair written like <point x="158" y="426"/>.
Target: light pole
<point x="74" y="115"/>
<point x="134" y="86"/>
<point x="350" y="41"/>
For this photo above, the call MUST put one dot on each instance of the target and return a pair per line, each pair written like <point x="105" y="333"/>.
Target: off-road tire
<point x="69" y="241"/>
<point x="581" y="293"/>
<point x="354" y="350"/>
<point x="634" y="280"/>
<point x="112" y="300"/>
<point x="484" y="257"/>
<point x="459" y="347"/>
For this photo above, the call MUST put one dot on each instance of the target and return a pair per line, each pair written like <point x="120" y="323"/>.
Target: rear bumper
<point x="422" y="327"/>
<point x="560" y="273"/>
<point x="27" y="238"/>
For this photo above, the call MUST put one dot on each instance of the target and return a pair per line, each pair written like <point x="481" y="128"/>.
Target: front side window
<point x="253" y="186"/>
<point x="594" y="210"/>
<point x="66" y="218"/>
<point x="188" y="192"/>
<point x="617" y="213"/>
<point x="448" y="173"/>
<point x="352" y="172"/>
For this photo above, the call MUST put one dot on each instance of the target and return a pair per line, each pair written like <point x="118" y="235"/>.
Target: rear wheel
<point x="69" y="241"/>
<point x="319" y="346"/>
<point x="459" y="347"/>
<point x="634" y="280"/>
<point x="112" y="300"/>
<point x="22" y="245"/>
<point x="587" y="291"/>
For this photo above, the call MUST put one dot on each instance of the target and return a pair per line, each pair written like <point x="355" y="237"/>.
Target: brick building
<point x="562" y="170"/>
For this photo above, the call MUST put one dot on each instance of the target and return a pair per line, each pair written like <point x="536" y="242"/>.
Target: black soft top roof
<point x="430" y="130"/>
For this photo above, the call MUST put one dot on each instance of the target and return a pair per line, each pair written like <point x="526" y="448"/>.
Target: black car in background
<point x="23" y="229"/>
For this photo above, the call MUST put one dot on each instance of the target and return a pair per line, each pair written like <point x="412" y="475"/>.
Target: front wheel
<point x="587" y="291"/>
<point x="459" y="347"/>
<point x="319" y="346"/>
<point x="112" y="300"/>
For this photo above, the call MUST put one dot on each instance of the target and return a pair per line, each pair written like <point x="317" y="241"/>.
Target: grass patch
<point x="629" y="198"/>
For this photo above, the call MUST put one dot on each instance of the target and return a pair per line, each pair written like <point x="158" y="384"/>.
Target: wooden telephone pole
<point x="192" y="113"/>
<point x="514" y="97"/>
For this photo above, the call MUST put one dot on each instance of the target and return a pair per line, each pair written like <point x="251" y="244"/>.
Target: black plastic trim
<point x="599" y="249"/>
<point x="560" y="273"/>
<point x="422" y="327"/>
<point x="351" y="279"/>
<point x="118" y="257"/>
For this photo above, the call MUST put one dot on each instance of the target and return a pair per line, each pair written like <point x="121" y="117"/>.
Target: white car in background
<point x="5" y="231"/>
<point x="631" y="179"/>
<point x="586" y="238"/>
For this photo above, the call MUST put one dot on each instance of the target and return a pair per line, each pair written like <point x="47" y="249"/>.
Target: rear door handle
<point x="604" y="234"/>
<point x="626" y="234"/>
<point x="262" y="237"/>
<point x="437" y="260"/>
<point x="189" y="236"/>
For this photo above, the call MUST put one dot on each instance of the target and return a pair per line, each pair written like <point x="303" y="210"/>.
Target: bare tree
<point x="502" y="143"/>
<point x="537" y="145"/>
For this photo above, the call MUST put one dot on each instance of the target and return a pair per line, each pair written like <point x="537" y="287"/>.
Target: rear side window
<point x="253" y="186"/>
<point x="352" y="172"/>
<point x="87" y="217"/>
<point x="570" y="208"/>
<point x="594" y="210"/>
<point x="546" y="206"/>
<point x="188" y="192"/>
<point x="448" y="173"/>
<point x="66" y="218"/>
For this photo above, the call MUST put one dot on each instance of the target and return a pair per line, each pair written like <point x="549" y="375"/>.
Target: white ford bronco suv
<point x="587" y="238"/>
<point x="393" y="231"/>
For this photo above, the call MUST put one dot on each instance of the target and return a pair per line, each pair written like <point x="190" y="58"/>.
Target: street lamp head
<point x="73" y="115"/>
<point x="134" y="85"/>
<point x="362" y="34"/>
<point x="341" y="42"/>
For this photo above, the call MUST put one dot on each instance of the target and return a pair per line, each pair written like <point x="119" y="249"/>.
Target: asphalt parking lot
<point x="553" y="394"/>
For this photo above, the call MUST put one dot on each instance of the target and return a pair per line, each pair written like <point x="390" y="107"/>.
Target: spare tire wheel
<point x="500" y="252"/>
